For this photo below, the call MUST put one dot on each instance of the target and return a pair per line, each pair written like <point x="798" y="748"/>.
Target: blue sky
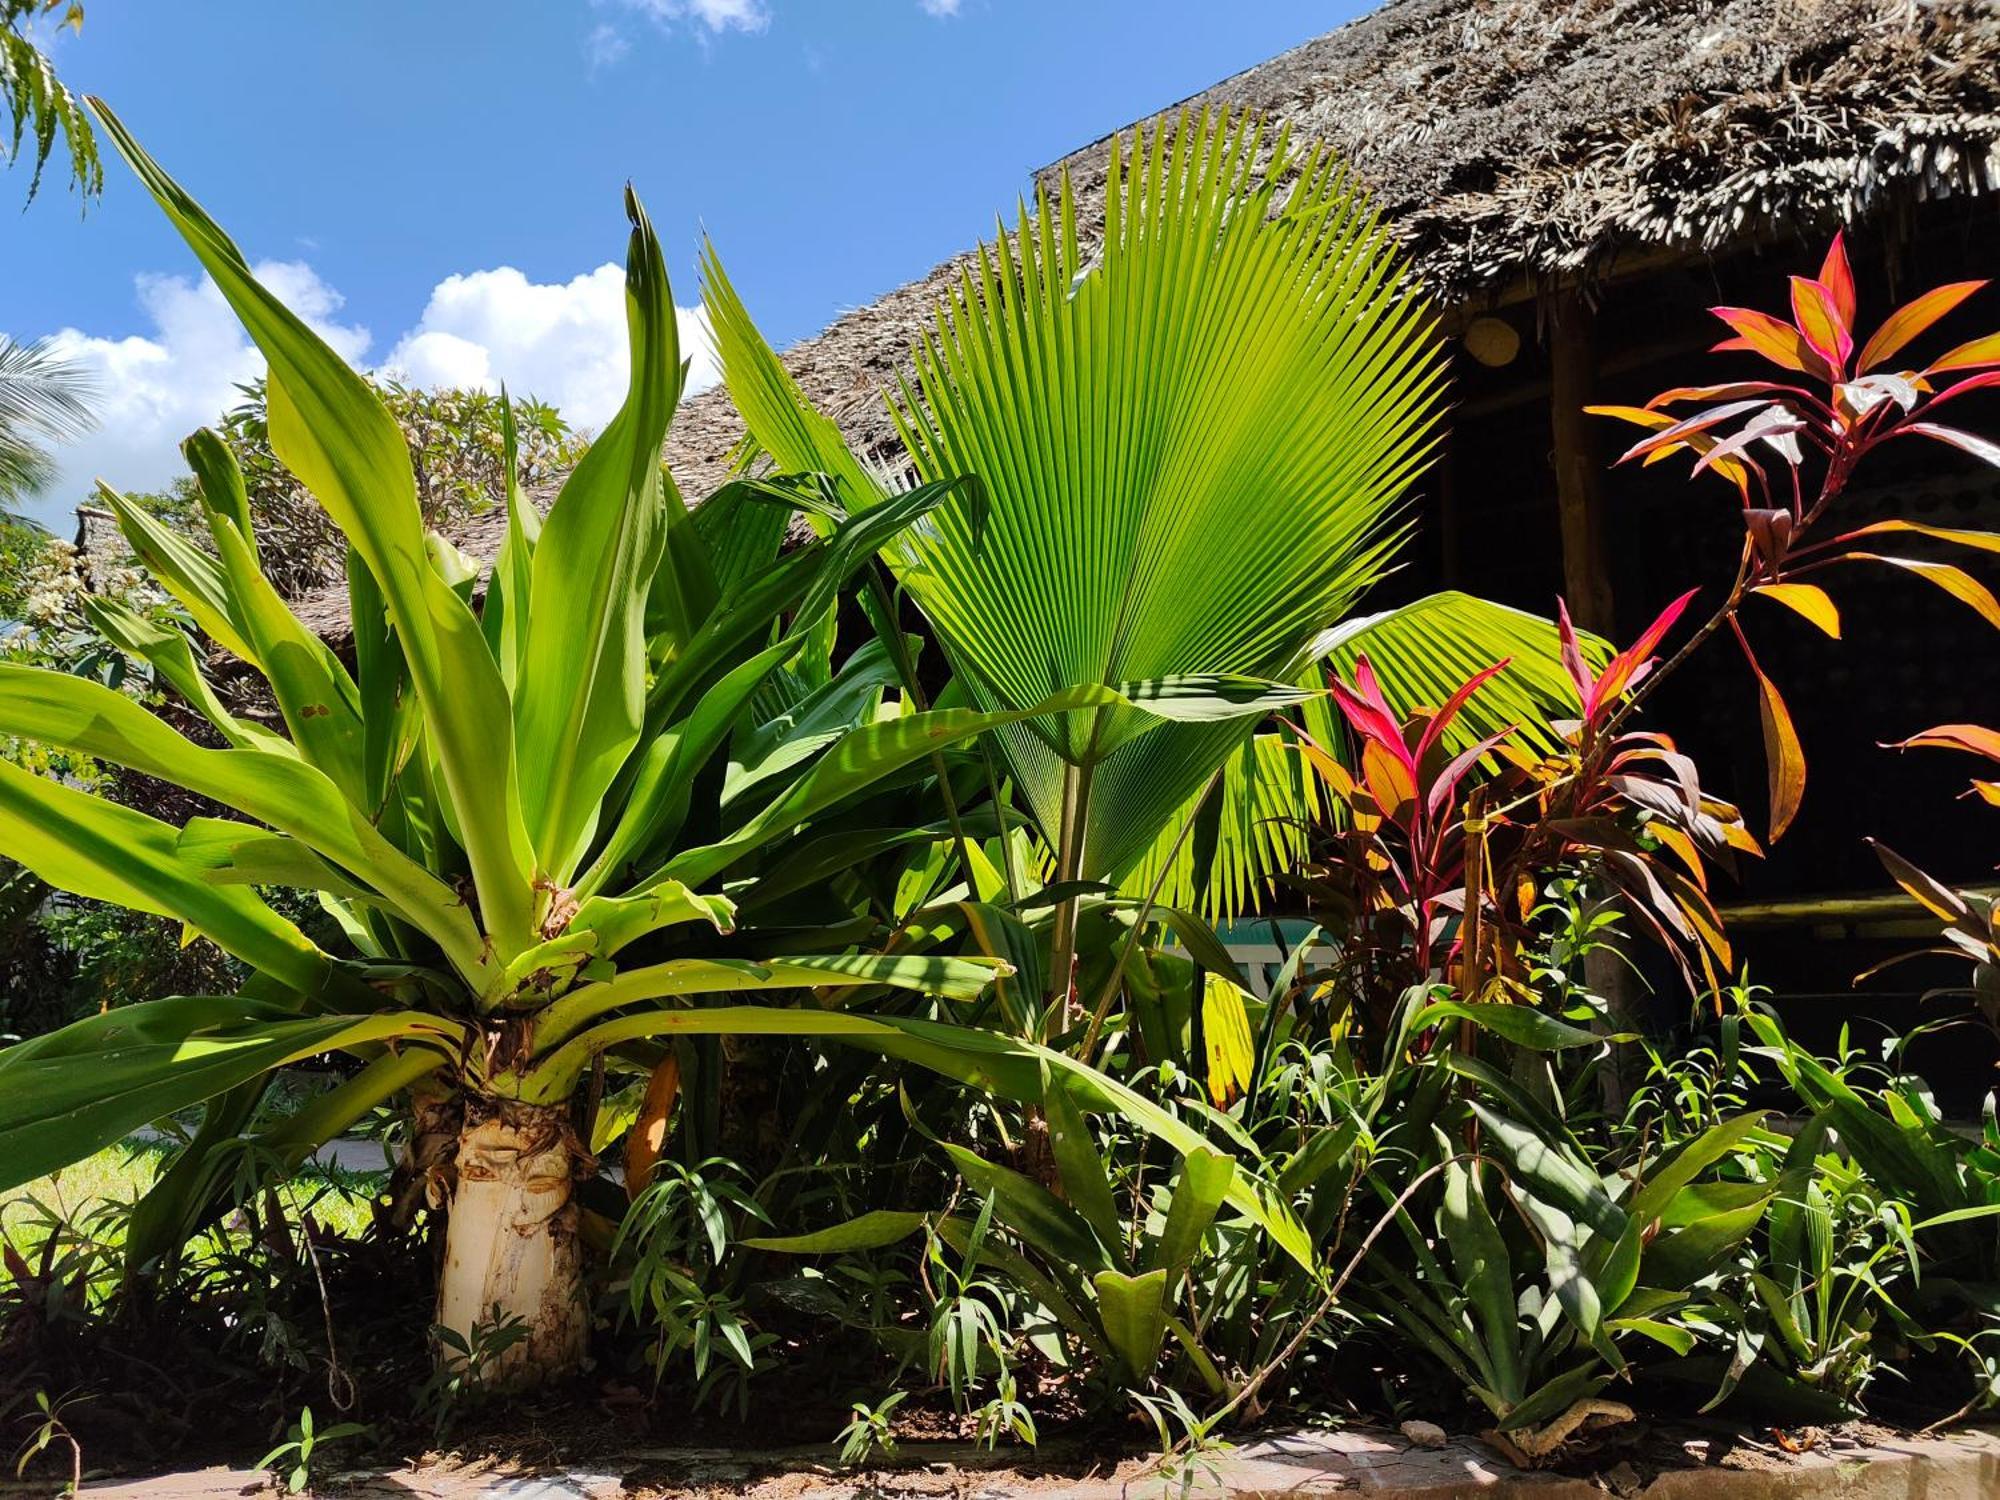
<point x="436" y="182"/>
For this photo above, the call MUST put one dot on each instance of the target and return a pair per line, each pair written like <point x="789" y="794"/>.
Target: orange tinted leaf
<point x="1809" y="600"/>
<point x="1683" y="848"/>
<point x="1771" y="337"/>
<point x="1975" y="355"/>
<point x="1637" y="414"/>
<point x="1784" y="756"/>
<point x="1728" y="391"/>
<point x="1939" y="900"/>
<point x="1820" y="321"/>
<point x="1956" y="582"/>
<point x="1976" y="738"/>
<point x="1984" y="541"/>
<point x="1389" y="781"/>
<point x="1911" y="319"/>
<point x="1837" y="276"/>
<point x="1987" y="792"/>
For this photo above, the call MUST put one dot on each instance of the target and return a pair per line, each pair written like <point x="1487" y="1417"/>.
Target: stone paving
<point x="1958" y="1466"/>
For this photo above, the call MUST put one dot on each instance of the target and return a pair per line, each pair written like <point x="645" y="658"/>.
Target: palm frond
<point x="1194" y="442"/>
<point x="38" y="107"/>
<point x="44" y="400"/>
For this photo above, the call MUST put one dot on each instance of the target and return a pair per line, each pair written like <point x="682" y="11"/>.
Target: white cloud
<point x="564" y="343"/>
<point x="605" y="45"/>
<point x="940" y="7"/>
<point x="153" y="389"/>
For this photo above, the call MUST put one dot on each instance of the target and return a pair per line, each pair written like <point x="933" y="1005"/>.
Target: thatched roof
<point x="1513" y="143"/>
<point x="1516" y="141"/>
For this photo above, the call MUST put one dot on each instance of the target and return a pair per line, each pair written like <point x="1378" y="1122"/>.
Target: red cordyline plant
<point x="1839" y="399"/>
<point x="1413" y="847"/>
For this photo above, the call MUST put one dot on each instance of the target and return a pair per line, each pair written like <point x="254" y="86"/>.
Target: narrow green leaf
<point x="73" y="1092"/>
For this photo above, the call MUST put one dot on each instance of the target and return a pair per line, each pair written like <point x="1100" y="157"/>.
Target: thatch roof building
<point x="1520" y="145"/>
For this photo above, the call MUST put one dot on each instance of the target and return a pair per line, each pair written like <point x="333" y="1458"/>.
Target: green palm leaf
<point x="1193" y="443"/>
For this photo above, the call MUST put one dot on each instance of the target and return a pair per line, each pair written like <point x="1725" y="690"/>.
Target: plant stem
<point x="1069" y="860"/>
<point x="1110" y="990"/>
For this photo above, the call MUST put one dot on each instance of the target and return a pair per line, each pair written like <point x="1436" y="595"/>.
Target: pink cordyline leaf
<point x="1442" y="789"/>
<point x="1687" y="427"/>
<point x="1773" y="338"/>
<point x="1911" y="319"/>
<point x="1625" y="670"/>
<point x="1820" y="323"/>
<point x="1454" y="704"/>
<point x="1837" y="276"/>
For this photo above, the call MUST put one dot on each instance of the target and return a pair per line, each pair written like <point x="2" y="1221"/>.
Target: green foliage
<point x="870" y="1432"/>
<point x="293" y="1459"/>
<point x="458" y="458"/>
<point x="37" y="106"/>
<point x="44" y="400"/>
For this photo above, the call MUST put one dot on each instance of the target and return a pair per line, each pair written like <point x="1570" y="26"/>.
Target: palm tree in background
<point x="44" y="400"/>
<point x="34" y="106"/>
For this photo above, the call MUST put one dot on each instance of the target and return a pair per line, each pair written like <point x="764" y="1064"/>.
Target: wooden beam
<point x="1579" y="497"/>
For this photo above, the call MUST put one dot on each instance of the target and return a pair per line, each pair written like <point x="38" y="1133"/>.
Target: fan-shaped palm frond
<point x="44" y="399"/>
<point x="1194" y="443"/>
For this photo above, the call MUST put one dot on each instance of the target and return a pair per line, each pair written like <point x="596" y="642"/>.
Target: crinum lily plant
<point x="534" y="811"/>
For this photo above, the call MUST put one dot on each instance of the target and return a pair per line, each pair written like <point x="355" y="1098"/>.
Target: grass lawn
<point x="118" y="1175"/>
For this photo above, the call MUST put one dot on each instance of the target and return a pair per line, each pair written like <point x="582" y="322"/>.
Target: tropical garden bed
<point x="858" y="899"/>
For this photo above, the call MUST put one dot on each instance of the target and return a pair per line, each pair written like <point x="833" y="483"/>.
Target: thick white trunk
<point x="511" y="1248"/>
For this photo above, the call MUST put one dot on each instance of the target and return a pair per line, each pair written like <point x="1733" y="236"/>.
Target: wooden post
<point x="1579" y="497"/>
<point x="1451" y="535"/>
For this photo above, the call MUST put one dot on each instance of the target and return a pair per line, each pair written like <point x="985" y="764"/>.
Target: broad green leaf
<point x="1553" y="1175"/>
<point x="220" y="483"/>
<point x="331" y="430"/>
<point x="1133" y="1310"/>
<point x="185" y="571"/>
<point x="605" y="925"/>
<point x="1031" y="1210"/>
<point x="226" y="852"/>
<point x="581" y="695"/>
<point x="314" y="692"/>
<point x="1085" y="1181"/>
<point x="1689" y="1161"/>
<point x="282" y="791"/>
<point x="954" y="978"/>
<point x="91" y="847"/>
<point x="1484" y="1272"/>
<point x="170" y="655"/>
<point x="504" y="615"/>
<point x="1522" y="1025"/>
<point x="1199" y="1189"/>
<point x="73" y="1092"/>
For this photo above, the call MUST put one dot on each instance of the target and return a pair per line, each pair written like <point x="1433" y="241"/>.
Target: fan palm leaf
<point x="1195" y="442"/>
<point x="44" y="400"/>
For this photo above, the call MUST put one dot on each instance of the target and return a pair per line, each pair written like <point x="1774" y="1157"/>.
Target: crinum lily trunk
<point x="512" y="1252"/>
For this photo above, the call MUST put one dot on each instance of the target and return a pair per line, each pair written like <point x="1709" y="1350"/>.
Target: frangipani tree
<point x="535" y="815"/>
